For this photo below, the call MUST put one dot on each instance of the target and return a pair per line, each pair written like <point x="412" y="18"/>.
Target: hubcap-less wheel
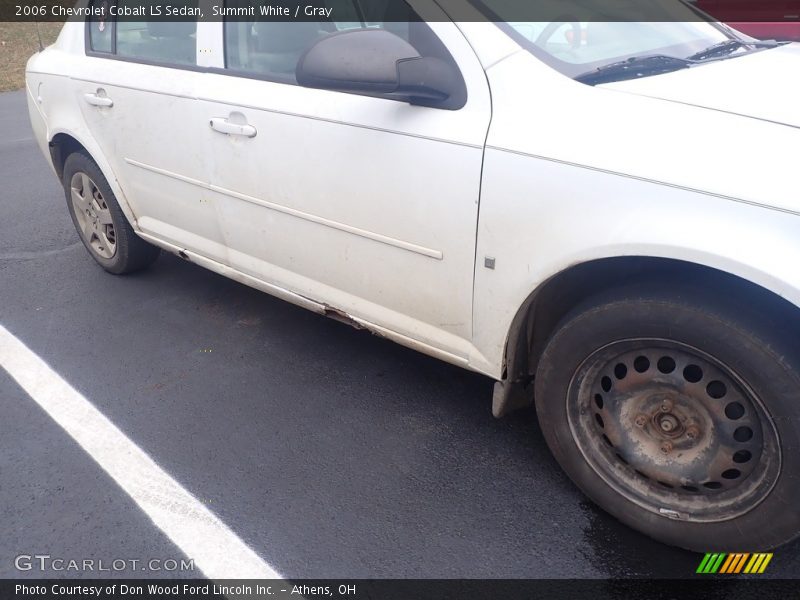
<point x="93" y="216"/>
<point x="673" y="429"/>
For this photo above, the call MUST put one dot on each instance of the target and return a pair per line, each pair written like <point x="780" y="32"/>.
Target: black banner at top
<point x="755" y="11"/>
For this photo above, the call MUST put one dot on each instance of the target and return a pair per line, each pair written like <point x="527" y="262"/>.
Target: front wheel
<point x="678" y="414"/>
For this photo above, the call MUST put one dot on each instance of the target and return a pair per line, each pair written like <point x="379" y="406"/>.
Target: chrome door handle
<point x="96" y="100"/>
<point x="222" y="125"/>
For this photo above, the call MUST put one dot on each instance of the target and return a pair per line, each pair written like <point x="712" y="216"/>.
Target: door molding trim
<point x="370" y="235"/>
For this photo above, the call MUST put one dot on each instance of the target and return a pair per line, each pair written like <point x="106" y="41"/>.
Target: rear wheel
<point x="679" y="414"/>
<point x="100" y="222"/>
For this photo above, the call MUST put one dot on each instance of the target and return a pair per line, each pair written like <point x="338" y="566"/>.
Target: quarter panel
<point x="58" y="112"/>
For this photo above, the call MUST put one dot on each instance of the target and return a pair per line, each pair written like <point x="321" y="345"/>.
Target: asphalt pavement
<point x="329" y="451"/>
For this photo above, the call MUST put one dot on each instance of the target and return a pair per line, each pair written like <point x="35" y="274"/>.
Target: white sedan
<point x="601" y="216"/>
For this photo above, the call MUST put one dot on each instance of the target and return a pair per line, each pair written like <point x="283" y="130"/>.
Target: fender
<point x="588" y="215"/>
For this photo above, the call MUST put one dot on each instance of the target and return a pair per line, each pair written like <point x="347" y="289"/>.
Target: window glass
<point x="272" y="49"/>
<point x="100" y="36"/>
<point x="173" y="42"/>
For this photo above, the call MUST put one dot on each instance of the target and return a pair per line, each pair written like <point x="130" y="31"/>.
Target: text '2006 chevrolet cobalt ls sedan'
<point x="601" y="216"/>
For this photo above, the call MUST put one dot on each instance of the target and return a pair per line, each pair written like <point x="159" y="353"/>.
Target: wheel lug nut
<point x="666" y="447"/>
<point x="640" y="421"/>
<point x="666" y="406"/>
<point x="693" y="432"/>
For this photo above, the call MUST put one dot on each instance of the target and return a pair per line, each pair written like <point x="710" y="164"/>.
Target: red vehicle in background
<point x="761" y="19"/>
<point x="778" y="30"/>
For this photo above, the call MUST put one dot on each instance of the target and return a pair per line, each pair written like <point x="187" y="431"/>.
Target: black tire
<point x="746" y="343"/>
<point x="129" y="252"/>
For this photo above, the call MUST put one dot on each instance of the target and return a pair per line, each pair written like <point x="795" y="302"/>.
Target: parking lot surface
<point x="329" y="451"/>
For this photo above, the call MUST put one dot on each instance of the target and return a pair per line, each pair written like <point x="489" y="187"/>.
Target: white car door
<point x="136" y="89"/>
<point x="366" y="204"/>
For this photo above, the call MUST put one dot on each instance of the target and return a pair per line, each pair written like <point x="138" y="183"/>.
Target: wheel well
<point x="61" y="146"/>
<point x="539" y="316"/>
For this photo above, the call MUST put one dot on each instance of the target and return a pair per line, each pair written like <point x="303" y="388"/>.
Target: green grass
<point x="17" y="42"/>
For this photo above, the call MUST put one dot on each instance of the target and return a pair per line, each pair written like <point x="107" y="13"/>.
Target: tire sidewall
<point x="745" y="343"/>
<point x="78" y="162"/>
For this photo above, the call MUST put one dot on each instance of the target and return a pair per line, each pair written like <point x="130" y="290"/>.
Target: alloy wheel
<point x="93" y="216"/>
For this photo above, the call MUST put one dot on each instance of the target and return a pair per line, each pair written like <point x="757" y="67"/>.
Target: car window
<point x="101" y="30"/>
<point x="166" y="42"/>
<point x="272" y="49"/>
<point x="161" y="41"/>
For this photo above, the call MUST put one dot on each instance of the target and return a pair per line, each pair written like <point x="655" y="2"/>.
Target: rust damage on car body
<point x="341" y="316"/>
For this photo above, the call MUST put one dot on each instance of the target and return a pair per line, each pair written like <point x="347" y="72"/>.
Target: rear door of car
<point x="364" y="203"/>
<point x="137" y="91"/>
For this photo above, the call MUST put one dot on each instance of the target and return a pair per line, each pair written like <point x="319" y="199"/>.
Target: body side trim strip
<point x="376" y="237"/>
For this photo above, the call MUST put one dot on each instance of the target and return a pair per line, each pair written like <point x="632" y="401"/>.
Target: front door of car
<point x="363" y="203"/>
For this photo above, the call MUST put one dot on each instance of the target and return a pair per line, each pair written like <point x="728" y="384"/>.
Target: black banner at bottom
<point x="706" y="588"/>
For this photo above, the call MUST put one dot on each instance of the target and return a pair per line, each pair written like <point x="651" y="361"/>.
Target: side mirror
<point x="376" y="62"/>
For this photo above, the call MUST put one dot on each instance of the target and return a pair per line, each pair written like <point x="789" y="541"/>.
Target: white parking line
<point x="217" y="551"/>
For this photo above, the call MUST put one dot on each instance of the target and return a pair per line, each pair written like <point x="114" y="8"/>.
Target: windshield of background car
<point x="576" y="47"/>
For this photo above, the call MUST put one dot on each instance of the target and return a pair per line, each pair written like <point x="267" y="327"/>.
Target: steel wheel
<point x="93" y="216"/>
<point x="673" y="429"/>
